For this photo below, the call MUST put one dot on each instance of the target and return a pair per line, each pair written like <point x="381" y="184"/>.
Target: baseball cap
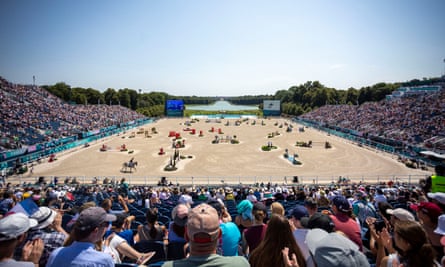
<point x="334" y="249"/>
<point x="93" y="217"/>
<point x="322" y="221"/>
<point x="44" y="217"/>
<point x="341" y="203"/>
<point x="14" y="225"/>
<point x="401" y="214"/>
<point x="440" y="225"/>
<point x="203" y="219"/>
<point x="429" y="208"/>
<point x="439" y="196"/>
<point x="299" y="211"/>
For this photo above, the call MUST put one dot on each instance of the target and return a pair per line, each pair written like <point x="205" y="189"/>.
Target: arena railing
<point x="220" y="180"/>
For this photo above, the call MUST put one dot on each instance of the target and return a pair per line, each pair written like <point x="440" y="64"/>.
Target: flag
<point x="27" y="206"/>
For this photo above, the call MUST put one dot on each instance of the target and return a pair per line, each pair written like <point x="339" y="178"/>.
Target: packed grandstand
<point x="35" y="123"/>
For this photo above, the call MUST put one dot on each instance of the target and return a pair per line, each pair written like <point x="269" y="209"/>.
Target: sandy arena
<point x="244" y="162"/>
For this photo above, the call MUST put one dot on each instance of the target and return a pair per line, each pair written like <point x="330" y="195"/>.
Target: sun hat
<point x="440" y="225"/>
<point x="334" y="249"/>
<point x="14" y="225"/>
<point x="93" y="217"/>
<point x="401" y="214"/>
<point x="203" y="219"/>
<point x="44" y="217"/>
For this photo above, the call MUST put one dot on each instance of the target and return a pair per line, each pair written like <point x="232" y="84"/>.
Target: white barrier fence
<point x="219" y="180"/>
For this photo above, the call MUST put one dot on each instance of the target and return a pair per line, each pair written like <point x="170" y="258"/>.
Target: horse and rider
<point x="129" y="165"/>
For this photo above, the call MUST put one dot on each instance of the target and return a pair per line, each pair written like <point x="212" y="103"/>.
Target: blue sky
<point x="224" y="48"/>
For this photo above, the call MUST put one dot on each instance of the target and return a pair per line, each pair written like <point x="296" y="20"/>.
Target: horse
<point x="129" y="165"/>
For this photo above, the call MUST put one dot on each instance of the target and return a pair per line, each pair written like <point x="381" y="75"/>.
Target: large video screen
<point x="174" y="107"/>
<point x="271" y="107"/>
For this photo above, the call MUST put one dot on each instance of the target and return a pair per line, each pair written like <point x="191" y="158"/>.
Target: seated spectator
<point x="202" y="233"/>
<point x="412" y="245"/>
<point x="121" y="227"/>
<point x="428" y="214"/>
<point x="49" y="229"/>
<point x="253" y="235"/>
<point x="441" y="231"/>
<point x="343" y="222"/>
<point x="13" y="231"/>
<point x="277" y="208"/>
<point x="176" y="228"/>
<point x="244" y="219"/>
<point x="311" y="205"/>
<point x="88" y="230"/>
<point x="152" y="231"/>
<point x="278" y="236"/>
<point x="228" y="244"/>
<point x="438" y="198"/>
<point x="334" y="249"/>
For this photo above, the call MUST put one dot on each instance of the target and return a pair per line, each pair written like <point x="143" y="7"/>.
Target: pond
<point x="221" y="106"/>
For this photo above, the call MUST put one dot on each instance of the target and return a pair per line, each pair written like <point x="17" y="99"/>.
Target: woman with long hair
<point x="412" y="246"/>
<point x="152" y="231"/>
<point x="278" y="237"/>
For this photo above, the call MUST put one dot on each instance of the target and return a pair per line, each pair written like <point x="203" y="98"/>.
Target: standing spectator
<point x="278" y="236"/>
<point x="202" y="233"/>
<point x="89" y="229"/>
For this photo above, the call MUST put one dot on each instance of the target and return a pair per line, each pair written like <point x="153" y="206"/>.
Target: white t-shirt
<point x="112" y="248"/>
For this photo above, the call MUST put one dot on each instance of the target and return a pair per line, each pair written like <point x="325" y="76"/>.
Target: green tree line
<point x="295" y="101"/>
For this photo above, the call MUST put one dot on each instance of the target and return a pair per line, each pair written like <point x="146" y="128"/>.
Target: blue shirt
<point x="79" y="254"/>
<point x="126" y="234"/>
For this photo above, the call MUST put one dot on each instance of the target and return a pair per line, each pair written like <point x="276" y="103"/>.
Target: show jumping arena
<point x="203" y="162"/>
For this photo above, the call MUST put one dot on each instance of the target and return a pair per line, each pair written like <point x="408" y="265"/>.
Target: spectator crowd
<point x="341" y="224"/>
<point x="411" y="120"/>
<point x="30" y="115"/>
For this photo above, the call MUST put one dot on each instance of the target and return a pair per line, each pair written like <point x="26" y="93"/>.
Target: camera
<point x="379" y="225"/>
